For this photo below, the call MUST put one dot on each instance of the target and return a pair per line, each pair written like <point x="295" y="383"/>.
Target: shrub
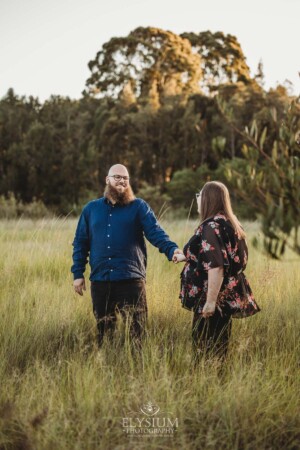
<point x="12" y="208"/>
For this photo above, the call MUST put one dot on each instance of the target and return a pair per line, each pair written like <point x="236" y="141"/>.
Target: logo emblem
<point x="150" y="409"/>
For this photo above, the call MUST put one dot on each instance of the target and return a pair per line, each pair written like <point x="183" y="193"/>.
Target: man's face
<point x="118" y="179"/>
<point x="118" y="189"/>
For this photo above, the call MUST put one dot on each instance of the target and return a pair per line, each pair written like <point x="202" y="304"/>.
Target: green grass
<point x="58" y="391"/>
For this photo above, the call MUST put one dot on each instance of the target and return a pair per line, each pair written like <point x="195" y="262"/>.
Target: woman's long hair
<point x="215" y="199"/>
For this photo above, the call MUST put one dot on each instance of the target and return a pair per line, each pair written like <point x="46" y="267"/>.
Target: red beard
<point x="122" y="198"/>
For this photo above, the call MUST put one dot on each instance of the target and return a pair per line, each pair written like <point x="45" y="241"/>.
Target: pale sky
<point x="45" y="45"/>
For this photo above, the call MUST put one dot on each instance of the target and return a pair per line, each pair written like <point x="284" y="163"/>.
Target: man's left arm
<point x="154" y="232"/>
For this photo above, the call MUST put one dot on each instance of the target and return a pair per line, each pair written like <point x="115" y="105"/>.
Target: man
<point x="111" y="232"/>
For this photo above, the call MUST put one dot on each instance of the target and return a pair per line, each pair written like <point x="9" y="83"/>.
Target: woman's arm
<point x="215" y="279"/>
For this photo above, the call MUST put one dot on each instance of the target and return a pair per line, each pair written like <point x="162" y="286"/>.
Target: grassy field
<point x="58" y="391"/>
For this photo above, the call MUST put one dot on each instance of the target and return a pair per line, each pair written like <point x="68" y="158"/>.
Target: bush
<point x="186" y="183"/>
<point x="158" y="201"/>
<point x="12" y="208"/>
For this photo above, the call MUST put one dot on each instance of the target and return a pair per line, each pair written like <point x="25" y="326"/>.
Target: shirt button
<point x="108" y="246"/>
<point x="108" y="235"/>
<point x="109" y="258"/>
<point x="109" y="224"/>
<point x="111" y="270"/>
<point x="110" y="215"/>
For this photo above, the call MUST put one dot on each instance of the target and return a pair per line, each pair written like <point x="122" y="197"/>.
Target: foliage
<point x="47" y="151"/>
<point x="270" y="180"/>
<point x="153" y="195"/>
<point x="186" y="183"/>
<point x="148" y="65"/>
<point x="11" y="208"/>
<point x="222" y="59"/>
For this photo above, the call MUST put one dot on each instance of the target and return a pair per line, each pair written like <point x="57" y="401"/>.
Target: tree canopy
<point x="222" y="59"/>
<point x="148" y="65"/>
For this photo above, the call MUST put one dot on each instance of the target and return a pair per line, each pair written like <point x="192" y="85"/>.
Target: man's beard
<point x="122" y="198"/>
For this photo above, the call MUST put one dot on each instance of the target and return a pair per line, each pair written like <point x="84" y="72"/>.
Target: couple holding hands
<point x="110" y="233"/>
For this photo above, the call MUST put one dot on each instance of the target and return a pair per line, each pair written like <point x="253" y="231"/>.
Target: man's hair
<point x="215" y="199"/>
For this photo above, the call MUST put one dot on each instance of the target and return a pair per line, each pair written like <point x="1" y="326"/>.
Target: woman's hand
<point x="208" y="309"/>
<point x="215" y="279"/>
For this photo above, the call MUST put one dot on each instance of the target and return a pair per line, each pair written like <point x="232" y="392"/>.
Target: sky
<point x="45" y="46"/>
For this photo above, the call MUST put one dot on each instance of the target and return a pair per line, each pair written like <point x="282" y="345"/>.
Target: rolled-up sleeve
<point x="81" y="246"/>
<point x="154" y="232"/>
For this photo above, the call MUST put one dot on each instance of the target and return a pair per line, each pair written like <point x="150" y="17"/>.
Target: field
<point x="58" y="391"/>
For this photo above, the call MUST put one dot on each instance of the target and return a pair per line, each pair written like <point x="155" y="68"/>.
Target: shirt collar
<point x="108" y="202"/>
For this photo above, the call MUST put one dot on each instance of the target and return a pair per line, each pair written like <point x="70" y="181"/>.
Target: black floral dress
<point x="215" y="244"/>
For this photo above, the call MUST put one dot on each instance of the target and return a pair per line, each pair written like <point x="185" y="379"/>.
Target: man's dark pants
<point x="127" y="297"/>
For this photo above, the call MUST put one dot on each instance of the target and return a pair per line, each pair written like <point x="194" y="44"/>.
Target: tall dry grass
<point x="58" y="391"/>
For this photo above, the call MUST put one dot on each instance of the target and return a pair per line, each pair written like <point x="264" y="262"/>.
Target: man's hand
<point x="79" y="286"/>
<point x="178" y="256"/>
<point x="177" y="250"/>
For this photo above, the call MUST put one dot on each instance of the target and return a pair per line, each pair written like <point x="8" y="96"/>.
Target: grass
<point x="58" y="391"/>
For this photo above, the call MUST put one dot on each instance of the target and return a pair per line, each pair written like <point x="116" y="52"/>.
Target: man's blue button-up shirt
<point x="112" y="238"/>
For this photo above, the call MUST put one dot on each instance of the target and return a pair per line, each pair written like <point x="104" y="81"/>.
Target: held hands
<point x="79" y="286"/>
<point x="178" y="256"/>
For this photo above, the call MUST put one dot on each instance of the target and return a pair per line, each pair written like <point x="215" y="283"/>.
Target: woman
<point x="213" y="284"/>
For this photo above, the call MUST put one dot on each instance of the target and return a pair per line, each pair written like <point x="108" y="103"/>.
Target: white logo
<point x="152" y="422"/>
<point x="150" y="409"/>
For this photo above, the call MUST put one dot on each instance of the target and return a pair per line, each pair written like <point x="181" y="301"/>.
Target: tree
<point x="222" y="59"/>
<point x="16" y="116"/>
<point x="270" y="180"/>
<point x="150" y="63"/>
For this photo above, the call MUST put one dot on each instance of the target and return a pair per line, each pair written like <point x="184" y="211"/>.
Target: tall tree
<point x="17" y="114"/>
<point x="150" y="63"/>
<point x="222" y="59"/>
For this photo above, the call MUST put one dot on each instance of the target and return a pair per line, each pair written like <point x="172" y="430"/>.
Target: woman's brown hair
<point x="215" y="199"/>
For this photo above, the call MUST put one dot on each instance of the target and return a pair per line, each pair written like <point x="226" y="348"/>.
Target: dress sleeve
<point x="212" y="252"/>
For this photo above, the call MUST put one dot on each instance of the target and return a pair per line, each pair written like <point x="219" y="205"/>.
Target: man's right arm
<point x="81" y="247"/>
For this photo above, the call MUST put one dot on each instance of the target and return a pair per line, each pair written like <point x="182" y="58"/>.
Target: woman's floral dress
<point x="215" y="244"/>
